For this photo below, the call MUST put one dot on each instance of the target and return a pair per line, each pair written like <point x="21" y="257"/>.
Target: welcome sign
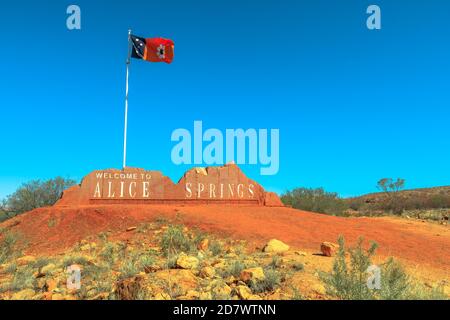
<point x="222" y="185"/>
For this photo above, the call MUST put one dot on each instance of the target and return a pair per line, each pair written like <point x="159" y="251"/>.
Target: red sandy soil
<point x="52" y="230"/>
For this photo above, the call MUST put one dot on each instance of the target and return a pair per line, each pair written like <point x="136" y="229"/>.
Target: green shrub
<point x="315" y="200"/>
<point x="108" y="253"/>
<point x="297" y="266"/>
<point x="215" y="248"/>
<point x="74" y="259"/>
<point x="41" y="262"/>
<point x="296" y="295"/>
<point x="271" y="281"/>
<point x="174" y="241"/>
<point x="7" y="246"/>
<point x="23" y="279"/>
<point x="146" y="261"/>
<point x="128" y="269"/>
<point x="11" y="268"/>
<point x="172" y="261"/>
<point x="348" y="280"/>
<point x="276" y="262"/>
<point x="234" y="269"/>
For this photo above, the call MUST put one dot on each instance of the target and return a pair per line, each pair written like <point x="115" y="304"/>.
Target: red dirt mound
<point x="51" y="230"/>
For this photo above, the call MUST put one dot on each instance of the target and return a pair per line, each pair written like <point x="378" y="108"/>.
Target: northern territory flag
<point x="152" y="49"/>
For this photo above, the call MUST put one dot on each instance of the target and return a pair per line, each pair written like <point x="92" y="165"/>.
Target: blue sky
<point x="352" y="105"/>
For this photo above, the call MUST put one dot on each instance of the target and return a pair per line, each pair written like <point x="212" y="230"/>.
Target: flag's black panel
<point x="138" y="47"/>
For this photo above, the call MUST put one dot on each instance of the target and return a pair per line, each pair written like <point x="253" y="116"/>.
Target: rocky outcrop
<point x="275" y="246"/>
<point x="212" y="185"/>
<point x="328" y="249"/>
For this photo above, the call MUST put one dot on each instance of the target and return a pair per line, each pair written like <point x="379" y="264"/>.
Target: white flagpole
<point x="126" y="105"/>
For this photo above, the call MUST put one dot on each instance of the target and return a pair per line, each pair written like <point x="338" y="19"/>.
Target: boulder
<point x="207" y="272"/>
<point x="50" y="285"/>
<point x="187" y="262"/>
<point x="275" y="246"/>
<point x="26" y="294"/>
<point x="244" y="292"/>
<point x="184" y="279"/>
<point x="319" y="289"/>
<point x="220" y="289"/>
<point x="252" y="274"/>
<point x="328" y="249"/>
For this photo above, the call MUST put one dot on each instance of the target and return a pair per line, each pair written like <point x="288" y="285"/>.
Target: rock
<point x="319" y="289"/>
<point x="276" y="246"/>
<point x="207" y="272"/>
<point x="203" y="245"/>
<point x="48" y="269"/>
<point x="255" y="274"/>
<point x="162" y="296"/>
<point x="230" y="280"/>
<point x="221" y="290"/>
<point x="328" y="249"/>
<point x="184" y="279"/>
<point x="25" y="260"/>
<point x="131" y="229"/>
<point x="26" y="294"/>
<point x="219" y="263"/>
<point x="47" y="296"/>
<point x="50" y="285"/>
<point x="244" y="292"/>
<point x="187" y="262"/>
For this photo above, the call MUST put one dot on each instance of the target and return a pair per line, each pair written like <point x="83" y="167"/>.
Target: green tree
<point x="392" y="190"/>
<point x="34" y="194"/>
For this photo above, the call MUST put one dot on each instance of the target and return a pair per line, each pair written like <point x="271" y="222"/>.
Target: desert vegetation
<point x="315" y="200"/>
<point x="431" y="204"/>
<point x="32" y="195"/>
<point x="348" y="279"/>
<point x="164" y="260"/>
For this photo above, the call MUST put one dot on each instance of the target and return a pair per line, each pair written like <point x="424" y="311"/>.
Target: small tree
<point x="389" y="186"/>
<point x="392" y="189"/>
<point x="35" y="194"/>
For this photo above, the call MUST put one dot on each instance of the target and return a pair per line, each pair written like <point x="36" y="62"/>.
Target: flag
<point x="152" y="49"/>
